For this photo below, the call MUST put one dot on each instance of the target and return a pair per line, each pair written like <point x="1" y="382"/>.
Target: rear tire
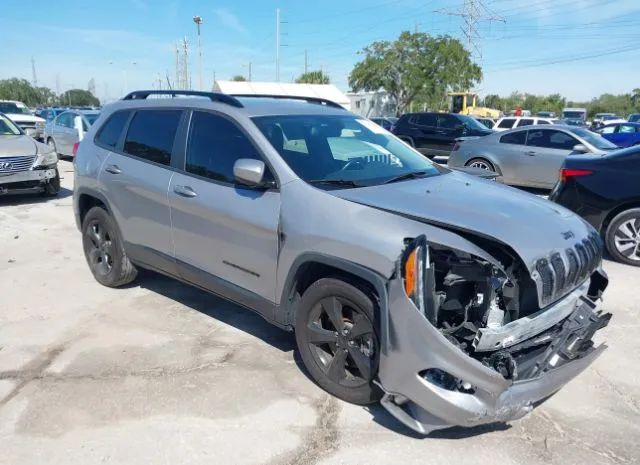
<point x="623" y="237"/>
<point x="338" y="341"/>
<point x="481" y="163"/>
<point x="104" y="249"/>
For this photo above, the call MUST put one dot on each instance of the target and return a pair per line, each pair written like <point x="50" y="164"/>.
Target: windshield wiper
<point x="336" y="182"/>
<point x="405" y="176"/>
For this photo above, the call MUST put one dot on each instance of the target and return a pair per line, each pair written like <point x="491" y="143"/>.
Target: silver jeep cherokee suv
<point x="451" y="299"/>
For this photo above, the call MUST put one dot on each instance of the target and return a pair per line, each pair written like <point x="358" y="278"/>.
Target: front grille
<point x="562" y="272"/>
<point x="27" y="124"/>
<point x="10" y="165"/>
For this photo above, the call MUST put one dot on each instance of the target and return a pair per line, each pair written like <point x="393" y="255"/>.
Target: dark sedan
<point x="605" y="191"/>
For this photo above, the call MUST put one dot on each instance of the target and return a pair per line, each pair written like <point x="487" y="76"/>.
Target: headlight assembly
<point x="46" y="159"/>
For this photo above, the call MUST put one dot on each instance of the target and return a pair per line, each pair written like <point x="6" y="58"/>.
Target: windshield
<point x="10" y="107"/>
<point x="573" y="114"/>
<point x="8" y="128"/>
<point x="346" y="150"/>
<point x="594" y="139"/>
<point x="634" y="118"/>
<point x="471" y="123"/>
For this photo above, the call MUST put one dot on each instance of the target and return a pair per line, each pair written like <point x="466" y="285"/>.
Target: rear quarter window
<point x="517" y="138"/>
<point x="506" y="123"/>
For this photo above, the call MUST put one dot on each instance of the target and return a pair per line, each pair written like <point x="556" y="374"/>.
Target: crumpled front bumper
<point x="414" y="346"/>
<point x="11" y="183"/>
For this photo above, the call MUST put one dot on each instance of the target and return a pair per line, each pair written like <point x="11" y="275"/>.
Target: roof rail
<point x="213" y="96"/>
<point x="317" y="100"/>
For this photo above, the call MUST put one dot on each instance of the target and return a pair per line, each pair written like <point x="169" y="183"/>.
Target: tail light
<point x="456" y="147"/>
<point x="75" y="148"/>
<point x="566" y="173"/>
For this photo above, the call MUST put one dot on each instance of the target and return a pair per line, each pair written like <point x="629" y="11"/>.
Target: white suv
<point x="510" y="122"/>
<point x="20" y="114"/>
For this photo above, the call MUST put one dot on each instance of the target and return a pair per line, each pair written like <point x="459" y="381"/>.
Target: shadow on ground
<point x="29" y="199"/>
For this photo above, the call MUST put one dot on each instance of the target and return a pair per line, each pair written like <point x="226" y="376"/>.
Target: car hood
<point x="11" y="146"/>
<point x="533" y="227"/>
<point x="19" y="117"/>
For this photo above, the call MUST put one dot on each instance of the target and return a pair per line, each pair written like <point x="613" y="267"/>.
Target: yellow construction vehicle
<point x="466" y="103"/>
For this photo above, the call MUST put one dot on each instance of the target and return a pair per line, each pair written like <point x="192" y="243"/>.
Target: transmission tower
<point x="34" y="77"/>
<point x="473" y="13"/>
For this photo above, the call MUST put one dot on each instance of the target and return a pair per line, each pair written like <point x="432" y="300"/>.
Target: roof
<point x="325" y="91"/>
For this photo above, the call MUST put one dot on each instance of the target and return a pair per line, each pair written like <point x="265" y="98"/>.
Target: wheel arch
<point x="488" y="157"/>
<point x="310" y="267"/>
<point x="617" y="211"/>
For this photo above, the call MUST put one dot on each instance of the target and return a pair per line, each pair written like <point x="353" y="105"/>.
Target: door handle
<point x="113" y="169"/>
<point x="531" y="153"/>
<point x="184" y="191"/>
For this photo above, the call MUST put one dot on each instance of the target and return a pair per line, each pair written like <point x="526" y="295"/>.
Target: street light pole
<point x="198" y="21"/>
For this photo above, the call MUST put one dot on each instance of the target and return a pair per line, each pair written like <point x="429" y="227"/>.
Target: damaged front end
<point x="468" y="342"/>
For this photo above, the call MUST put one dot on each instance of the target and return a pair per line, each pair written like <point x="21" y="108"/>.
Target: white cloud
<point x="230" y="20"/>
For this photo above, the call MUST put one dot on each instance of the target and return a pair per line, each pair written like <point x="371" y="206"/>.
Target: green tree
<point x="313" y="77"/>
<point x="416" y="66"/>
<point x="19" y="89"/>
<point x="239" y="78"/>
<point x="78" y="97"/>
<point x="635" y="96"/>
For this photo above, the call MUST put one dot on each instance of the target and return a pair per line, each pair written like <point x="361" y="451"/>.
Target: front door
<point x="544" y="154"/>
<point x="226" y="235"/>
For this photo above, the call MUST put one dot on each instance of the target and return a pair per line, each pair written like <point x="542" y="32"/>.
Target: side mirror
<point x="580" y="148"/>
<point x="248" y="172"/>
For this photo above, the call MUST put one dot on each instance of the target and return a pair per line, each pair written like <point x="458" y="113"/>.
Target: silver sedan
<point x="61" y="133"/>
<point x="530" y="156"/>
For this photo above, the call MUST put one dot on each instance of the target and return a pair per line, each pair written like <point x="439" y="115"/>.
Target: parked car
<point x="529" y="156"/>
<point x="601" y="119"/>
<point x="435" y="134"/>
<point x="488" y="122"/>
<point x="634" y="118"/>
<point x="546" y="114"/>
<point x="510" y="122"/>
<point x="400" y="277"/>
<point x="62" y="135"/>
<point x="576" y="122"/>
<point x="578" y="116"/>
<point x="20" y="114"/>
<point x="26" y="166"/>
<point x="387" y="122"/>
<point x="605" y="191"/>
<point x="621" y="134"/>
<point x="49" y="114"/>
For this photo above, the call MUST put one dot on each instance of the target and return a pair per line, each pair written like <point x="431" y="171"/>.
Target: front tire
<point x="104" y="249"/>
<point x="623" y="237"/>
<point x="338" y="340"/>
<point x="52" y="188"/>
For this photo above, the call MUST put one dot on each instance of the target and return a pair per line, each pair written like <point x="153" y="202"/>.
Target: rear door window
<point x="448" y="121"/>
<point x="526" y="122"/>
<point x="626" y="129"/>
<point x="543" y="121"/>
<point x="151" y="135"/>
<point x="506" y="123"/>
<point x="110" y="132"/>
<point x="517" y="138"/>
<point x="425" y="119"/>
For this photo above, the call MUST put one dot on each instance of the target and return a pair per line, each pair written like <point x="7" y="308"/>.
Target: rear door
<point x="624" y="135"/>
<point x="449" y="128"/>
<point x="225" y="234"/>
<point x="63" y="132"/>
<point x="424" y="127"/>
<point x="545" y="152"/>
<point x="510" y="153"/>
<point x="136" y="177"/>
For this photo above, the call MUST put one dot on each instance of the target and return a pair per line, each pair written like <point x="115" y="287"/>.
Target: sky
<point x="579" y="48"/>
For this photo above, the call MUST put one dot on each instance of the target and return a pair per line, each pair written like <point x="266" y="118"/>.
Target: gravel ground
<point x="162" y="373"/>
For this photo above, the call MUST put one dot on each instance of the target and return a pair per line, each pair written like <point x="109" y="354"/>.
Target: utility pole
<point x="249" y="71"/>
<point x="34" y="77"/>
<point x="306" y="62"/>
<point x="472" y="13"/>
<point x="177" y="81"/>
<point x="278" y="43"/>
<point x="198" y="21"/>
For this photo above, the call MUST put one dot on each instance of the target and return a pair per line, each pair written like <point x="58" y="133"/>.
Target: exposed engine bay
<point x="492" y="313"/>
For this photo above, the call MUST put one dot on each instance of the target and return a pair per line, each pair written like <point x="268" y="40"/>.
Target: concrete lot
<point x="162" y="373"/>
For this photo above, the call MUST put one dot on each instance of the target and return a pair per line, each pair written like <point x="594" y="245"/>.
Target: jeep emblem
<point x="568" y="235"/>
